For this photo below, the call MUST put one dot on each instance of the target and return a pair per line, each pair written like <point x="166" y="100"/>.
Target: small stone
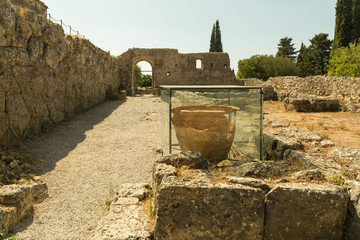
<point x="14" y="164"/>
<point x="37" y="178"/>
<point x="313" y="174"/>
<point x="326" y="143"/>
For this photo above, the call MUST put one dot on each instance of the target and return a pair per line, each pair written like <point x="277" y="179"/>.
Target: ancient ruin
<point x="171" y="67"/>
<point x="47" y="77"/>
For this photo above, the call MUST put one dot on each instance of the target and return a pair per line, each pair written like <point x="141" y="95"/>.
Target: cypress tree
<point x="344" y="23"/>
<point x="218" y="43"/>
<point x="212" y="40"/>
<point x="355" y="34"/>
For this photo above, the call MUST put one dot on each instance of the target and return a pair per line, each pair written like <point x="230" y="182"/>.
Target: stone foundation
<point x="16" y="201"/>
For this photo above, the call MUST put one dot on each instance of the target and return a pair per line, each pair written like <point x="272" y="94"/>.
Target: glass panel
<point x="165" y="124"/>
<point x="248" y="124"/>
<point x="213" y="120"/>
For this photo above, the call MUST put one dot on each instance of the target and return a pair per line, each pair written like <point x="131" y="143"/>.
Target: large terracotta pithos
<point x="208" y="129"/>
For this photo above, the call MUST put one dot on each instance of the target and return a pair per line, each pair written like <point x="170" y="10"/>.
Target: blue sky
<point x="248" y="27"/>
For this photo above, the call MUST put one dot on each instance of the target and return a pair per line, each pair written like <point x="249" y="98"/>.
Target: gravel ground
<point x="86" y="157"/>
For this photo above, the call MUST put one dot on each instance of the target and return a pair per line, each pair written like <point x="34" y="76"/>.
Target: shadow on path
<point x="58" y="143"/>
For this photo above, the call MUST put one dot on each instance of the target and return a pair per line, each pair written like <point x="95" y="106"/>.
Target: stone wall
<point x="338" y="87"/>
<point x="45" y="75"/>
<point x="173" y="68"/>
<point x="197" y="207"/>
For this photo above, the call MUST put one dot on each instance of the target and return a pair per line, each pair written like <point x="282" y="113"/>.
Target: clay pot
<point x="208" y="129"/>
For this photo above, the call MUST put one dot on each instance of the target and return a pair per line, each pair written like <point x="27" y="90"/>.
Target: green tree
<point x="252" y="67"/>
<point x="145" y="81"/>
<point x="286" y="48"/>
<point x="137" y="73"/>
<point x="355" y="34"/>
<point x="344" y="22"/>
<point x="303" y="62"/>
<point x="212" y="40"/>
<point x="218" y="43"/>
<point x="264" y="66"/>
<point x="345" y="61"/>
<point x="215" y="40"/>
<point x="319" y="53"/>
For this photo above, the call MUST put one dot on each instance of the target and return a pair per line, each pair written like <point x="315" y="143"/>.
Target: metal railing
<point x="62" y="24"/>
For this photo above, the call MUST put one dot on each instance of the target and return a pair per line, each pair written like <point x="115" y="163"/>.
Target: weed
<point x="109" y="199"/>
<point x="342" y="126"/>
<point x="339" y="180"/>
<point x="311" y="129"/>
<point x="324" y="136"/>
<point x="326" y="107"/>
<point x="274" y="156"/>
<point x="326" y="128"/>
<point x="315" y="108"/>
<point x="321" y="123"/>
<point x="344" y="108"/>
<point x="3" y="236"/>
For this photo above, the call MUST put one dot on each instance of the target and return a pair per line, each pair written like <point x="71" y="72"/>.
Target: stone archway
<point x="135" y="61"/>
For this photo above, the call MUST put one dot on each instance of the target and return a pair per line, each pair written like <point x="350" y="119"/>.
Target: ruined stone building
<point x="173" y="68"/>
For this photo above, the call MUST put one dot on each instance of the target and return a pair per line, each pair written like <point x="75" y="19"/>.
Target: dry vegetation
<point x="343" y="128"/>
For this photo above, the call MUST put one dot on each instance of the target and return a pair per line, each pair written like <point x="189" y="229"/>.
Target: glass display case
<point x="221" y="122"/>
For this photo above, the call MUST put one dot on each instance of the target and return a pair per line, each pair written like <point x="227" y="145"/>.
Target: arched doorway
<point x="143" y="76"/>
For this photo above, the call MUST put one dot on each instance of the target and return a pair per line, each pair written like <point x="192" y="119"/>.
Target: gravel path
<point x="86" y="157"/>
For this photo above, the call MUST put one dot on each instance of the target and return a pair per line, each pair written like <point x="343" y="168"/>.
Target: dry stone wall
<point x="45" y="75"/>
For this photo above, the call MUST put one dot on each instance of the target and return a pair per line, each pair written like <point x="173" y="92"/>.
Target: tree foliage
<point x="215" y="40"/>
<point x="286" y="49"/>
<point x="320" y="53"/>
<point x="212" y="40"/>
<point x="313" y="60"/>
<point x="137" y="73"/>
<point x="265" y="66"/>
<point x="145" y="81"/>
<point x="347" y="25"/>
<point x="345" y="61"/>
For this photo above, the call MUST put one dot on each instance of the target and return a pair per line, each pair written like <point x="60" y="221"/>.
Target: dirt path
<point x="84" y="158"/>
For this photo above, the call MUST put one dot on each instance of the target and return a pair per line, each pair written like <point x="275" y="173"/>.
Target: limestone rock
<point x="276" y="144"/>
<point x="4" y="124"/>
<point x="312" y="174"/>
<point x="326" y="143"/>
<point x="190" y="159"/>
<point x="305" y="211"/>
<point x="251" y="182"/>
<point x="35" y="48"/>
<point x="15" y="196"/>
<point x="161" y="171"/>
<point x="353" y="228"/>
<point x="7" y="23"/>
<point x="2" y="99"/>
<point x="18" y="115"/>
<point x="196" y="210"/>
<point x="9" y="84"/>
<point x="126" y="219"/>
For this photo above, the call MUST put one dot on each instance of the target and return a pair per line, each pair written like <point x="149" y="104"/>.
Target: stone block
<point x="18" y="115"/>
<point x="2" y="100"/>
<point x="4" y="124"/>
<point x="193" y="160"/>
<point x="198" y="210"/>
<point x="16" y="201"/>
<point x="305" y="211"/>
<point x="353" y="227"/>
